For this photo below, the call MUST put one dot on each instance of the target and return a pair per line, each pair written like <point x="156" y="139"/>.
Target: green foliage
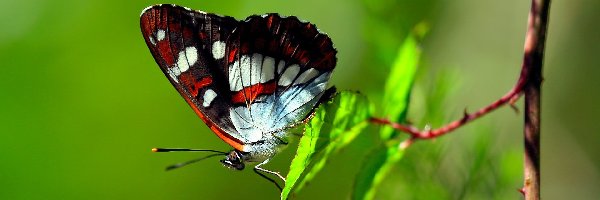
<point x="375" y="168"/>
<point x="338" y="122"/>
<point x="333" y="126"/>
<point x="399" y="83"/>
<point x="83" y="100"/>
<point x="396" y="98"/>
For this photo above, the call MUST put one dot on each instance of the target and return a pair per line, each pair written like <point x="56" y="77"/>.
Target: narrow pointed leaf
<point x="395" y="102"/>
<point x="399" y="84"/>
<point x="334" y="125"/>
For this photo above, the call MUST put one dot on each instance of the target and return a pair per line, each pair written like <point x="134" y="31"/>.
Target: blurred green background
<point x="83" y="102"/>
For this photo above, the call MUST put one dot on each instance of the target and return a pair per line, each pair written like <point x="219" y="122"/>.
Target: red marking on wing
<point x="165" y="18"/>
<point x="288" y="49"/>
<point x="302" y="56"/>
<point x="187" y="32"/>
<point x="150" y="23"/>
<point x="164" y="49"/>
<point x="249" y="94"/>
<point x="202" y="35"/>
<point x="202" y="83"/>
<point x="192" y="84"/>
<point x="270" y="21"/>
<point x="234" y="142"/>
<point x="232" y="54"/>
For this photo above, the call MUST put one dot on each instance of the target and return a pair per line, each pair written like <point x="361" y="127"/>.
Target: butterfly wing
<point x="277" y="74"/>
<point x="182" y="42"/>
<point x="245" y="79"/>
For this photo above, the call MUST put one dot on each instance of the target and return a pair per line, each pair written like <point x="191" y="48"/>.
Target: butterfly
<point x="249" y="81"/>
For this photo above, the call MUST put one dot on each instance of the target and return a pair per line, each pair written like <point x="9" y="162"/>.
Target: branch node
<point x="406" y="143"/>
<point x="465" y="116"/>
<point x="513" y="100"/>
<point x="427" y="128"/>
<point x="514" y="108"/>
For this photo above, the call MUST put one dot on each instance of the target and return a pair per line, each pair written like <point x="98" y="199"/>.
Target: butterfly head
<point x="234" y="160"/>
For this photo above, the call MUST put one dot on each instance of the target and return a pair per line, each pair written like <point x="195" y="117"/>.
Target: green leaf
<point x="377" y="165"/>
<point x="395" y="103"/>
<point x="333" y="126"/>
<point x="399" y="83"/>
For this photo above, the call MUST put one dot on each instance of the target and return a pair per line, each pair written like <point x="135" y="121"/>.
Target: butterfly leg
<point x="257" y="167"/>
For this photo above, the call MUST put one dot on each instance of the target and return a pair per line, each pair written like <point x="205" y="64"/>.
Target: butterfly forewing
<point x="181" y="42"/>
<point x="245" y="79"/>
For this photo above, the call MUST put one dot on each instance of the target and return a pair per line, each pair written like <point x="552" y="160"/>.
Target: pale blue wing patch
<point x="272" y="113"/>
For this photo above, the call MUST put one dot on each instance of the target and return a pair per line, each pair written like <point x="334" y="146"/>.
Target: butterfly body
<point x="249" y="81"/>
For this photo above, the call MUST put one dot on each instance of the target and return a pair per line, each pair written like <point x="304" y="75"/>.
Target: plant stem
<point x="529" y="83"/>
<point x="510" y="97"/>
<point x="533" y="62"/>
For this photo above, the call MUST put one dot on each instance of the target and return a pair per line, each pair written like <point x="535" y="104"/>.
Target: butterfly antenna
<point x="181" y="149"/>
<point x="178" y="165"/>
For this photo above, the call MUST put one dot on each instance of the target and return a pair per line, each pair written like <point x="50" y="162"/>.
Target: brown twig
<point x="529" y="83"/>
<point x="533" y="61"/>
<point x="509" y="97"/>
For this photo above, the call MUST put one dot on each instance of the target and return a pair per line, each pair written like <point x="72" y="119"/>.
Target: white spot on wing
<point x="244" y="68"/>
<point x="280" y="66"/>
<point x="152" y="40"/>
<point x="288" y="76"/>
<point x="218" y="49"/>
<point x="173" y="77"/>
<point x="306" y="76"/>
<point x="268" y="69"/>
<point x="160" y="35"/>
<point x="235" y="73"/>
<point x="187" y="58"/>
<point x="209" y="96"/>
<point x="255" y="69"/>
<point x="174" y="73"/>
